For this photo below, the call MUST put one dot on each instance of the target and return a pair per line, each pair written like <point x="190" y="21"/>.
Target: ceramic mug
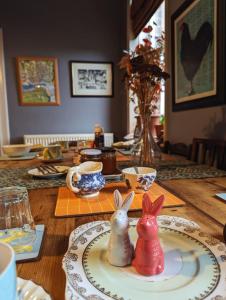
<point x="86" y="179"/>
<point x="7" y="272"/>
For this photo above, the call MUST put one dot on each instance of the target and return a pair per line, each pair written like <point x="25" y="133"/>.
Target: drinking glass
<point x="16" y="222"/>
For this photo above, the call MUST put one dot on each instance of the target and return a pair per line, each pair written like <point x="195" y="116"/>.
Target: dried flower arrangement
<point x="144" y="71"/>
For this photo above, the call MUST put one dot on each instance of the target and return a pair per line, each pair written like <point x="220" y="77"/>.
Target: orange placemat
<point x="69" y="204"/>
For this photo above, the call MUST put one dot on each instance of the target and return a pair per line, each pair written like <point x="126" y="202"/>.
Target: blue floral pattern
<point x="91" y="183"/>
<point x="145" y="182"/>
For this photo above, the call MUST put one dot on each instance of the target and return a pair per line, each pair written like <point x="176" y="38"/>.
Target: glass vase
<point x="145" y="151"/>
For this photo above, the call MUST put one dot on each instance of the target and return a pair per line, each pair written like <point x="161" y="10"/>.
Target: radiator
<point x="45" y="139"/>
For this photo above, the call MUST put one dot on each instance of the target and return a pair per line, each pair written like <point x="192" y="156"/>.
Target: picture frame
<point x="91" y="79"/>
<point x="197" y="55"/>
<point x="38" y="83"/>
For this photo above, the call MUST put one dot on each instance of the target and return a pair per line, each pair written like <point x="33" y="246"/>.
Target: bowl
<point x="139" y="179"/>
<point x="16" y="150"/>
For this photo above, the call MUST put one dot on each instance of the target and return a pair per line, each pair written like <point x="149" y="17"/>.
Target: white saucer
<point x="28" y="290"/>
<point x="23" y="157"/>
<point x="61" y="169"/>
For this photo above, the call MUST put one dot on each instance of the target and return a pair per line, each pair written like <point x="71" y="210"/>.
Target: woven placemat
<point x="172" y="170"/>
<point x="69" y="204"/>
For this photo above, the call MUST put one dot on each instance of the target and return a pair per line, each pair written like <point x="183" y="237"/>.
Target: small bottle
<point x="99" y="136"/>
<point x="97" y="131"/>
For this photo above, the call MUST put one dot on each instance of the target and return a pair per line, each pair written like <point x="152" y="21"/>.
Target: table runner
<point x="19" y="176"/>
<point x="69" y="204"/>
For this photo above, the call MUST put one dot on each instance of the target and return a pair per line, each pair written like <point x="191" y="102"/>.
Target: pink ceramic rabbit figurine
<point x="120" y="250"/>
<point x="149" y="256"/>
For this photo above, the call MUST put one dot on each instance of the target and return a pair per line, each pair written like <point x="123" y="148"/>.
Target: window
<point x="159" y="19"/>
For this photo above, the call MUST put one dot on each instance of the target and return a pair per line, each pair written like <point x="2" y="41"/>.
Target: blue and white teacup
<point x="139" y="179"/>
<point x="86" y="180"/>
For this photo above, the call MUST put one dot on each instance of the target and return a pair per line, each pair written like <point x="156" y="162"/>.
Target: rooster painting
<point x="193" y="50"/>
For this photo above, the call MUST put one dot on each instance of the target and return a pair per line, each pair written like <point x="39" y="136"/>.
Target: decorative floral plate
<point x="195" y="265"/>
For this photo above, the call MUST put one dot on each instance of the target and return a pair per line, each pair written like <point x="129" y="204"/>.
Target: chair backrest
<point x="178" y="149"/>
<point x="209" y="151"/>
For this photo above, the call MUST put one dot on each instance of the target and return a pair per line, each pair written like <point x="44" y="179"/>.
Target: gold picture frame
<point x="38" y="83"/>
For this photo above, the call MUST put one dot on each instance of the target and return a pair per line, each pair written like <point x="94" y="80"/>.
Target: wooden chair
<point x="209" y="151"/>
<point x="178" y="149"/>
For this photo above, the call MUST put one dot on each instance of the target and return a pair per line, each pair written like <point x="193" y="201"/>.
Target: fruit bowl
<point x="16" y="150"/>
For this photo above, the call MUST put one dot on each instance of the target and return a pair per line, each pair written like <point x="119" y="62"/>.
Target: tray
<point x="195" y="265"/>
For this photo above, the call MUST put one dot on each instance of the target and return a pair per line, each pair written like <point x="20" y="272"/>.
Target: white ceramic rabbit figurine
<point x="120" y="250"/>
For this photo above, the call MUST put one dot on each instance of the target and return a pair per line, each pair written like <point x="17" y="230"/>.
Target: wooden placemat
<point x="69" y="204"/>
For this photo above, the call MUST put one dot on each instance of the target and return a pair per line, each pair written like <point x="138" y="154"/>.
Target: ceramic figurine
<point x="120" y="250"/>
<point x="86" y="180"/>
<point x="149" y="256"/>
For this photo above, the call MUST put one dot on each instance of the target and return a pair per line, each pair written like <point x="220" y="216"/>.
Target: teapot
<point x="86" y="180"/>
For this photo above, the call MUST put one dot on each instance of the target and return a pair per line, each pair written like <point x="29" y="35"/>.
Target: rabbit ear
<point x="128" y="201"/>
<point x="146" y="204"/>
<point x="117" y="199"/>
<point x="157" y="205"/>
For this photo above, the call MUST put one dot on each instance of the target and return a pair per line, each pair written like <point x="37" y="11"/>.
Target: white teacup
<point x="7" y="272"/>
<point x="139" y="179"/>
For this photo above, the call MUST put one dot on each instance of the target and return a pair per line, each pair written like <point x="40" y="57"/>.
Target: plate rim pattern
<point x="80" y="236"/>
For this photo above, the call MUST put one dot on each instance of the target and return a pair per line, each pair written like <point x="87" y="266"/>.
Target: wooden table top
<point x="201" y="207"/>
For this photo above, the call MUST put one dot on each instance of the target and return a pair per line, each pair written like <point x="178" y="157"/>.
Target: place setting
<point x="153" y="256"/>
<point x="12" y="286"/>
<point x="20" y="241"/>
<point x="48" y="171"/>
<point x="17" y="152"/>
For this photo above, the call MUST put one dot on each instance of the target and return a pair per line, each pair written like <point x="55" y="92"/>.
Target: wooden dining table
<point x="201" y="207"/>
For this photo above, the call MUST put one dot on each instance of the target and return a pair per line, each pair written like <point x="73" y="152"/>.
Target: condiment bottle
<point x="108" y="158"/>
<point x="90" y="155"/>
<point x="99" y="136"/>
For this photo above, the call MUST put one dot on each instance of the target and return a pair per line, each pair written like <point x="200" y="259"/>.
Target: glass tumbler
<point x="16" y="222"/>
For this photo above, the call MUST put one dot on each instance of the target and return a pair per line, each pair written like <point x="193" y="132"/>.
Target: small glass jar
<point x="90" y="155"/>
<point x="108" y="160"/>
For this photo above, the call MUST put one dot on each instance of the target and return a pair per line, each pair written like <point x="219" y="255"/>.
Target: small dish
<point x="16" y="150"/>
<point x="28" y="290"/>
<point x="37" y="173"/>
<point x="123" y="145"/>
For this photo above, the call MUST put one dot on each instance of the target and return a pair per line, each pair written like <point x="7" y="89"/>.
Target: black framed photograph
<point x="91" y="79"/>
<point x="197" y="55"/>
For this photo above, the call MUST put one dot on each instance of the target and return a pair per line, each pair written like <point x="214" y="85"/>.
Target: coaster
<point x="36" y="247"/>
<point x="29" y="251"/>
<point x="222" y="196"/>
